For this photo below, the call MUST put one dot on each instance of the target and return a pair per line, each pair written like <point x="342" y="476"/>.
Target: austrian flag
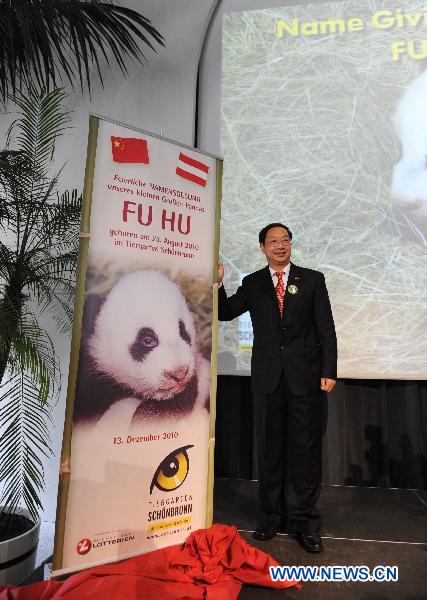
<point x="129" y="150"/>
<point x="192" y="169"/>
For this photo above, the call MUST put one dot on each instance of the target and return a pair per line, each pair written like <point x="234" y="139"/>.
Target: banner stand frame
<point x="82" y="264"/>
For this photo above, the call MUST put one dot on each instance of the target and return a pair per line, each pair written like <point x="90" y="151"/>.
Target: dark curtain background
<point x="375" y="433"/>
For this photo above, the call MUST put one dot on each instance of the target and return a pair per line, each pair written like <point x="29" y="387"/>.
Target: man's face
<point x="277" y="247"/>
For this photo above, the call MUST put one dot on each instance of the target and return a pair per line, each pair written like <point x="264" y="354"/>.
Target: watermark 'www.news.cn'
<point x="335" y="573"/>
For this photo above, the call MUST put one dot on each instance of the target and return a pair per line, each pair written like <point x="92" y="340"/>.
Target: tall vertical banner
<point x="136" y="467"/>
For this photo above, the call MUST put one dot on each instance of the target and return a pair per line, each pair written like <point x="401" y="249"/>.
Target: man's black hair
<point x="264" y="230"/>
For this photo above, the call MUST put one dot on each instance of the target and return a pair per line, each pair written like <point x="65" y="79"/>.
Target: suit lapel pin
<point x="292" y="289"/>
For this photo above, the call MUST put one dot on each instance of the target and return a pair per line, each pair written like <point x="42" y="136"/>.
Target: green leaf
<point x="49" y="41"/>
<point x="24" y="440"/>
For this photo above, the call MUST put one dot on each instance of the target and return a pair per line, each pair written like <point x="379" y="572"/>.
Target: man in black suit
<point x="294" y="361"/>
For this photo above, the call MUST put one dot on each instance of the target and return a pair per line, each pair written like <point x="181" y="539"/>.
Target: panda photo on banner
<point x="140" y="355"/>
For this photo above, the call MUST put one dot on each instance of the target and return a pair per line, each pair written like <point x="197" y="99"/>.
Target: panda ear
<point x="92" y="307"/>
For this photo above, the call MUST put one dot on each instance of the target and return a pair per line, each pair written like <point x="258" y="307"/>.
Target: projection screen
<point x="321" y="111"/>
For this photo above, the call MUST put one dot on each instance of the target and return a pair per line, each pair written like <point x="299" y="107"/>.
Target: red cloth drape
<point x="212" y="564"/>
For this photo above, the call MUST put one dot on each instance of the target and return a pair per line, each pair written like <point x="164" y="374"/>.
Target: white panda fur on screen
<point x="409" y="181"/>
<point x="142" y="347"/>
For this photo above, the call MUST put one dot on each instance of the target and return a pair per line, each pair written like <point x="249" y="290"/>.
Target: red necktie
<point x="280" y="290"/>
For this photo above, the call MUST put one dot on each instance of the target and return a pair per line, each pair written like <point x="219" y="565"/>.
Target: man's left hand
<point x="327" y="385"/>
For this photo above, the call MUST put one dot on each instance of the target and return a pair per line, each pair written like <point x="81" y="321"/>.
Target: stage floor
<point x="361" y="526"/>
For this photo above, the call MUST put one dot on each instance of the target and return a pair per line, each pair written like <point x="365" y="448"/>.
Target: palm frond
<point x="6" y="262"/>
<point x="37" y="273"/>
<point x="24" y="440"/>
<point x="61" y="219"/>
<point x="40" y="122"/>
<point x="32" y="350"/>
<point x="52" y="40"/>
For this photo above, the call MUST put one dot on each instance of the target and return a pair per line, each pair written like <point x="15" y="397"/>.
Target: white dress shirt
<point x="285" y="275"/>
<point x="274" y="277"/>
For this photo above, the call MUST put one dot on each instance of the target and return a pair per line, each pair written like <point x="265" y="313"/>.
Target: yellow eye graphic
<point x="172" y="471"/>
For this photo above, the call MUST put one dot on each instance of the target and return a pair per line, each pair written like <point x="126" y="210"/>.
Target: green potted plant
<point x="38" y="250"/>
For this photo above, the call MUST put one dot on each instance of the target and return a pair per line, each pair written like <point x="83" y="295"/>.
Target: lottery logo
<point x="84" y="546"/>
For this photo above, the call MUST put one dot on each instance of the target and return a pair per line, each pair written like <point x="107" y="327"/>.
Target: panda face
<point x="144" y="336"/>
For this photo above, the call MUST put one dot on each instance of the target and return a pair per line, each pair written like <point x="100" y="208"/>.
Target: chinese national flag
<point x="129" y="150"/>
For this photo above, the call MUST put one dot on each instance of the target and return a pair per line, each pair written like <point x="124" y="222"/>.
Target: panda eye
<point x="184" y="333"/>
<point x="145" y="342"/>
<point x="149" y="341"/>
<point x="172" y="471"/>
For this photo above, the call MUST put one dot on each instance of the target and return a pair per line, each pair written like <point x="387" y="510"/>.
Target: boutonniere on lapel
<point x="292" y="289"/>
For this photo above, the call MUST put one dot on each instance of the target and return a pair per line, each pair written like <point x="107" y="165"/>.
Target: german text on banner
<point x="134" y="472"/>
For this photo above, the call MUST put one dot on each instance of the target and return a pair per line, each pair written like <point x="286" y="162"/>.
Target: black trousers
<point x="289" y="443"/>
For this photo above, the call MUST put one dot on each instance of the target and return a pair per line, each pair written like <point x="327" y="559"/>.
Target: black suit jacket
<point x="302" y="342"/>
